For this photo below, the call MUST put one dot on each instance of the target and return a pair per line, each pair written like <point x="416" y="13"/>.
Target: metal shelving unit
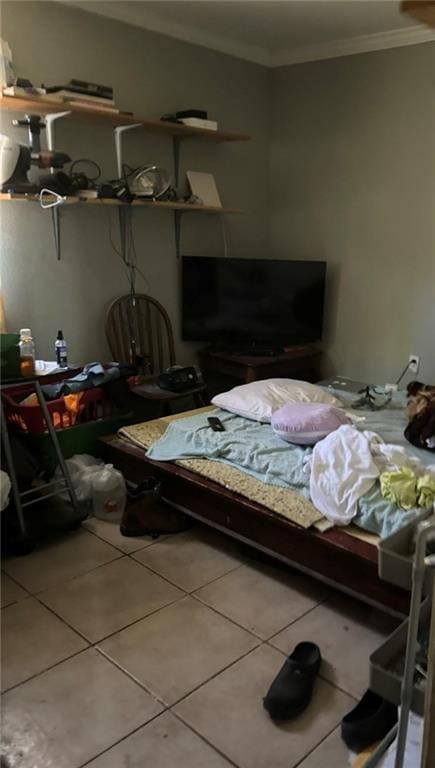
<point x="411" y="697"/>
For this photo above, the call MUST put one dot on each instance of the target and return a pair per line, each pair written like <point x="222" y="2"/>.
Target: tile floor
<point x="133" y="653"/>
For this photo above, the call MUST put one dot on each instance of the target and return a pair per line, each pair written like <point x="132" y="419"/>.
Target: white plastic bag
<point x="5" y="487"/>
<point x="81" y="468"/>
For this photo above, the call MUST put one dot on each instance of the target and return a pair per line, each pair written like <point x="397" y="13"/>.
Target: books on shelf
<point x="93" y="89"/>
<point x="86" y="194"/>
<point x="23" y="93"/>
<point x="197" y="122"/>
<point x="75" y="99"/>
<point x="66" y="95"/>
<point x="95" y="107"/>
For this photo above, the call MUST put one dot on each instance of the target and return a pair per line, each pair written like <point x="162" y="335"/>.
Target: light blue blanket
<point x="255" y="449"/>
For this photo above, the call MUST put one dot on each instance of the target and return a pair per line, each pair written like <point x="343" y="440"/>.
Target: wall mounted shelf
<point x="159" y="204"/>
<point x="176" y="131"/>
<point x="152" y="124"/>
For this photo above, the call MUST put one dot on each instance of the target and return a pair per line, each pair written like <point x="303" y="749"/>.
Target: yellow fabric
<point x="426" y="490"/>
<point x="405" y="489"/>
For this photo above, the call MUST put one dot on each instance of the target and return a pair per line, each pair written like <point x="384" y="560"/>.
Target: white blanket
<point x="346" y="464"/>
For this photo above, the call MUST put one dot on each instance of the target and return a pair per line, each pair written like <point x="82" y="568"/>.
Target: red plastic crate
<point x="93" y="405"/>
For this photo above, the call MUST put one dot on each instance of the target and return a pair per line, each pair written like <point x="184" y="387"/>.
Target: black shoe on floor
<point x="291" y="691"/>
<point x="369" y="721"/>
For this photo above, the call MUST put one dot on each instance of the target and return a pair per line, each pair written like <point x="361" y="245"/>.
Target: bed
<point x="344" y="557"/>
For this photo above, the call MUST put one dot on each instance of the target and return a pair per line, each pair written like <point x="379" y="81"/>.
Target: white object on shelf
<point x="7" y="77"/>
<point x="18" y="92"/>
<point x="197" y="122"/>
<point x="203" y="185"/>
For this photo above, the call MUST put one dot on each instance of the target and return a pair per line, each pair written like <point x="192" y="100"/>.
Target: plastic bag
<point x="5" y="487"/>
<point x="81" y="469"/>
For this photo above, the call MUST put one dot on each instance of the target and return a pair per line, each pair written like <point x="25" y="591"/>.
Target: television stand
<point x="255" y="350"/>
<point x="225" y="368"/>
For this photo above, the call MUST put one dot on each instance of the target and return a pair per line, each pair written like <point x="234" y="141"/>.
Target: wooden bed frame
<point x="335" y="557"/>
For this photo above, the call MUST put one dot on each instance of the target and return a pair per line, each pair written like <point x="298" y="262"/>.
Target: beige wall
<point x="353" y="180"/>
<point x="151" y="74"/>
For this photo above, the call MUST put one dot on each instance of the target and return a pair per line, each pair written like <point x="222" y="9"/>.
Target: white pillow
<point x="260" y="399"/>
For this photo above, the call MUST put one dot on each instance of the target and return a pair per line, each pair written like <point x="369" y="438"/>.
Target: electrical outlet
<point x="414" y="363"/>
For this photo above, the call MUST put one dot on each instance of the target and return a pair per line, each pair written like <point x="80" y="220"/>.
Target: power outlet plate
<point x="414" y="363"/>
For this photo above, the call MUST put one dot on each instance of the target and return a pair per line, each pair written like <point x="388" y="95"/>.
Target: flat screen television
<point x="252" y="301"/>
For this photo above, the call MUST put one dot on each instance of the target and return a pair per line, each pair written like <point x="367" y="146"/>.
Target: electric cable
<point x="130" y="260"/>
<point x="87" y="160"/>
<point x="403" y="372"/>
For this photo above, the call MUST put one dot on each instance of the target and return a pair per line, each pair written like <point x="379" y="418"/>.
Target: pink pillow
<point x="306" y="423"/>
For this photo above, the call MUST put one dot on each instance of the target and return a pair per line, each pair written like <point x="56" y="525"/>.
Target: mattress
<point x="283" y="501"/>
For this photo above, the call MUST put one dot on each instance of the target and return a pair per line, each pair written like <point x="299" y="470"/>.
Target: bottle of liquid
<point x="27" y="353"/>
<point x="108" y="494"/>
<point x="61" y="350"/>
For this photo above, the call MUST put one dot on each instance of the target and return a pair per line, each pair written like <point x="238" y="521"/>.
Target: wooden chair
<point x="139" y="332"/>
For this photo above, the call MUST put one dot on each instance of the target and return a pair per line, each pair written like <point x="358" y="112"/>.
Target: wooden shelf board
<point x="422" y="10"/>
<point x="161" y="204"/>
<point x="154" y="125"/>
<point x="31" y="198"/>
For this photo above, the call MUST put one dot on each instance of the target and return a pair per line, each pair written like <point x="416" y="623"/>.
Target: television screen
<point x="262" y="301"/>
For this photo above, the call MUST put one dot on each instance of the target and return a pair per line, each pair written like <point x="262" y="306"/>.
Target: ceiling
<point x="272" y="32"/>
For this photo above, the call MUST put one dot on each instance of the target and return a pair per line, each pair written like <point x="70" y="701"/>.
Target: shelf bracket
<point x="55" y="213"/>
<point x="176" y="141"/>
<point x="177" y="225"/>
<point x="55" y="220"/>
<point x="118" y="131"/>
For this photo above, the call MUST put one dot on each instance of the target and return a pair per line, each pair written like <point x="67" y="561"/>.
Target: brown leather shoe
<point x="145" y="512"/>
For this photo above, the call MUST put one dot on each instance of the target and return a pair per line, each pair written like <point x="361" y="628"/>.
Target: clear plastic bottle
<point x="61" y="349"/>
<point x="27" y="353"/>
<point x="108" y="494"/>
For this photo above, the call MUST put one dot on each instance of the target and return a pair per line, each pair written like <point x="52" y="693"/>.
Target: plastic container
<point x="61" y="350"/>
<point x="396" y="553"/>
<point x="30" y="418"/>
<point x="27" y="353"/>
<point x="108" y="494"/>
<point x="389" y="658"/>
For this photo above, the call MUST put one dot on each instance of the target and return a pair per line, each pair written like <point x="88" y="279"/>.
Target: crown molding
<point x="256" y="54"/>
<point x="185" y="32"/>
<point x="378" y="41"/>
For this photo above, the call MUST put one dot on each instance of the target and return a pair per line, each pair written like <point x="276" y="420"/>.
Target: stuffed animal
<point x="421" y="414"/>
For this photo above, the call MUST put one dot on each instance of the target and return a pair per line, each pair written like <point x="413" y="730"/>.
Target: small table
<point x="293" y="362"/>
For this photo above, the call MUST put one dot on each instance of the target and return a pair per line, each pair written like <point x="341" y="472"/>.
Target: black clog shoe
<point x="369" y="721"/>
<point x="291" y="691"/>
